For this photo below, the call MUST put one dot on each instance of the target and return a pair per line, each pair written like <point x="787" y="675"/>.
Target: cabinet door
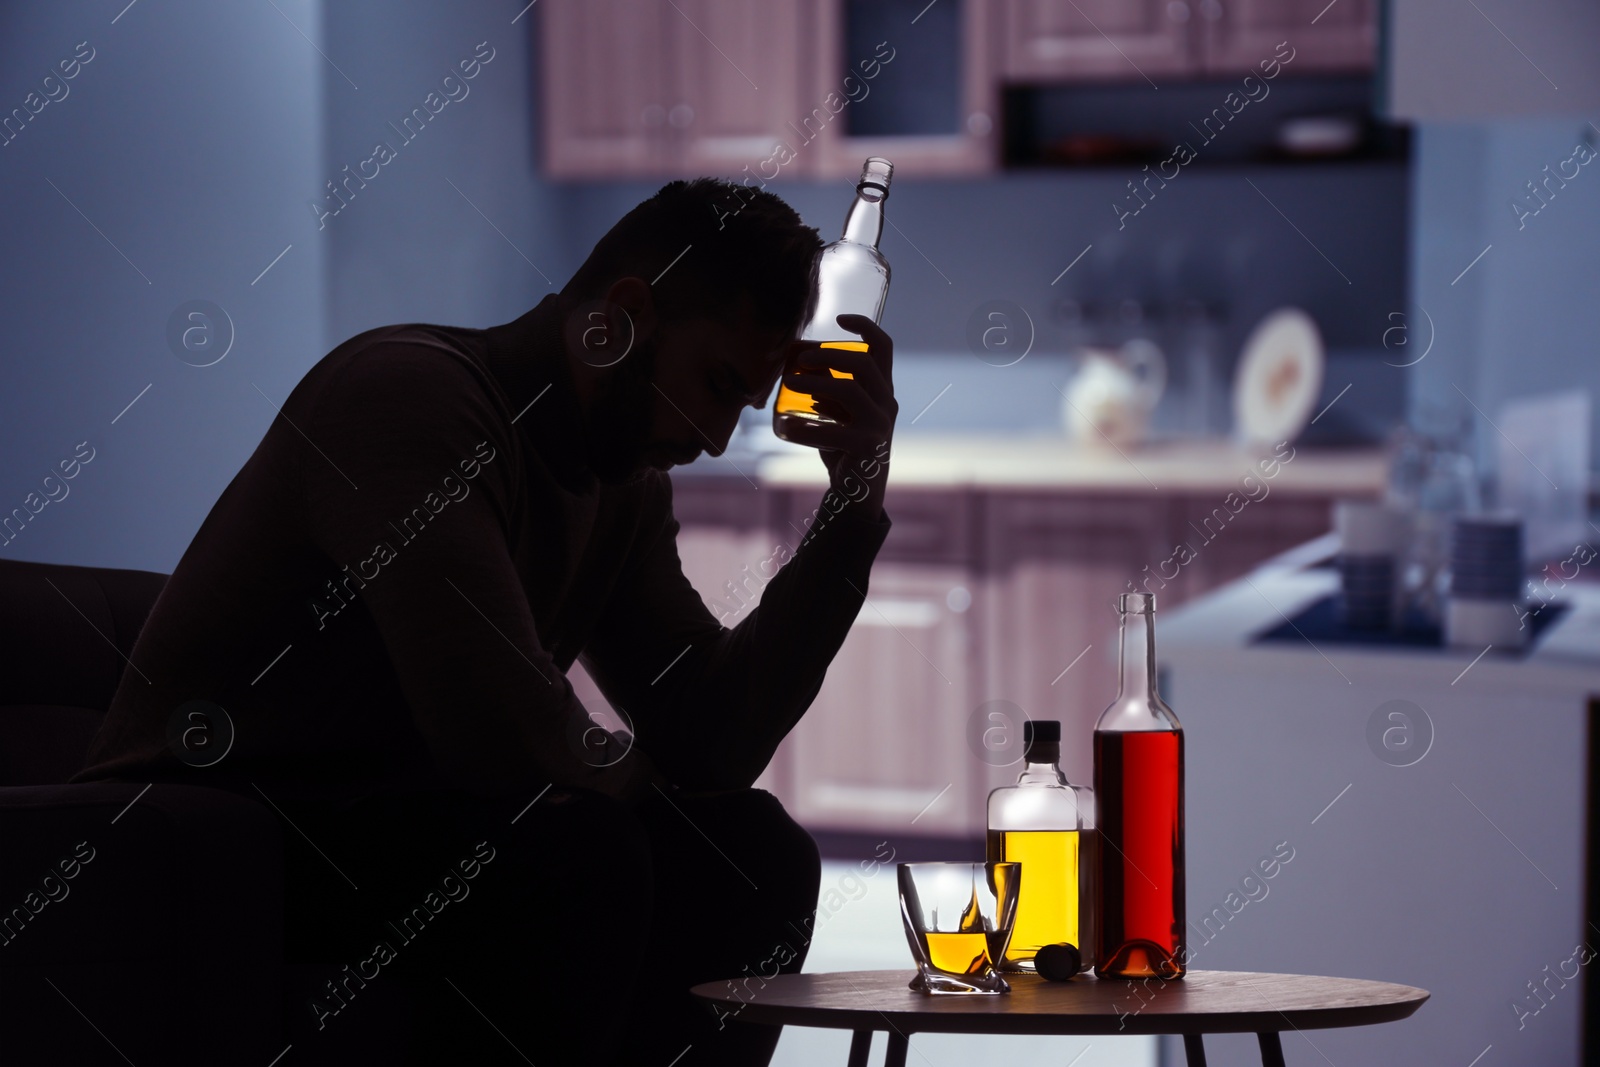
<point x="735" y="76"/>
<point x="883" y="746"/>
<point x="1097" y="40"/>
<point x="970" y="147"/>
<point x="1238" y="34"/>
<point x="1056" y="567"/>
<point x="605" y="92"/>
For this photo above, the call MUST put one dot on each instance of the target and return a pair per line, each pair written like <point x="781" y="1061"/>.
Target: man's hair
<point x="741" y="242"/>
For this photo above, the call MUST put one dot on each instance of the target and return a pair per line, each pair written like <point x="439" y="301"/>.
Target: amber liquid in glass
<point x="965" y="953"/>
<point x="793" y="405"/>
<point x="1139" y="786"/>
<point x="970" y="949"/>
<point x="1049" y="900"/>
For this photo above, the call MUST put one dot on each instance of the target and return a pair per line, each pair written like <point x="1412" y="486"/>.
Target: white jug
<point x="1112" y="393"/>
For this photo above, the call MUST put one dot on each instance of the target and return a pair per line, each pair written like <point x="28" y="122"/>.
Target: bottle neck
<point x="1138" y="657"/>
<point x="863" y="224"/>
<point x="1042" y="763"/>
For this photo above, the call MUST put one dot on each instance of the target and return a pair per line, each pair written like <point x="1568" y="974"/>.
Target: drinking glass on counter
<point x="1373" y="541"/>
<point x="1432" y="478"/>
<point x="1486" y="582"/>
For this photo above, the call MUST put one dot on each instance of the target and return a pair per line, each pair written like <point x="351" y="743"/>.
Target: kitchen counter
<point x="1051" y="462"/>
<point x="1565" y="660"/>
<point x="1434" y="799"/>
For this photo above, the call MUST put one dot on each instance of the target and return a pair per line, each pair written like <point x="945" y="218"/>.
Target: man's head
<point x="702" y="286"/>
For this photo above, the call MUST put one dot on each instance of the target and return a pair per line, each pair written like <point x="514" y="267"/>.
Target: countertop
<point x="1223" y="623"/>
<point x="1051" y="462"/>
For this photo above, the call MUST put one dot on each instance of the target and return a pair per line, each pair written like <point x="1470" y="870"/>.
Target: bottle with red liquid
<point x="1138" y="784"/>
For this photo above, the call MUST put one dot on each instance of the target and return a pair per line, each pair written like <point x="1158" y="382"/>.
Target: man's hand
<point x="855" y="448"/>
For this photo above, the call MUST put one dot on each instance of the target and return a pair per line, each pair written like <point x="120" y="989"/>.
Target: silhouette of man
<point x="379" y="612"/>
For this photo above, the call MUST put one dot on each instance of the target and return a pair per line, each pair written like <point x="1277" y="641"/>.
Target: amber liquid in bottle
<point x="1139" y="784"/>
<point x="793" y="404"/>
<point x="1047" y="907"/>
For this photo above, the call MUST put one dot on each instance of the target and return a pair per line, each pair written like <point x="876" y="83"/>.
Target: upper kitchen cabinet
<point x="1152" y="40"/>
<point x="915" y="82"/>
<point x="605" y="87"/>
<point x="736" y="71"/>
<point x="649" y="88"/>
<point x="1096" y="40"/>
<point x="664" y="88"/>
<point x="1237" y="35"/>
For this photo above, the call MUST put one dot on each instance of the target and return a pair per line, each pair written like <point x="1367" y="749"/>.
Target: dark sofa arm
<point x="151" y="930"/>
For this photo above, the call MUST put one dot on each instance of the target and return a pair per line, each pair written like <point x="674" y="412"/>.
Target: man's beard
<point x="618" y="428"/>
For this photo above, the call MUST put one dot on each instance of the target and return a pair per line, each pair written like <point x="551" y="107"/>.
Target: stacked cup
<point x="1372" y="542"/>
<point x="1486" y="581"/>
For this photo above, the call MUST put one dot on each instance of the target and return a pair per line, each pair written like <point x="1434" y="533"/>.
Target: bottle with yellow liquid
<point x="852" y="278"/>
<point x="1046" y="824"/>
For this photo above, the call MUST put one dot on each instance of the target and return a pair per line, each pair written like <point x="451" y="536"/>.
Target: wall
<point x="179" y="157"/>
<point x="1524" y="319"/>
<point x="458" y="227"/>
<point x="954" y="245"/>
<point x="1499" y="93"/>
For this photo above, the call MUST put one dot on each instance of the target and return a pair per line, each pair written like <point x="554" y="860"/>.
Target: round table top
<point x="1203" y="1002"/>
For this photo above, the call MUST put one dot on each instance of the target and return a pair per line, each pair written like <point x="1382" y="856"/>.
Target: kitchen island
<point x="1432" y="802"/>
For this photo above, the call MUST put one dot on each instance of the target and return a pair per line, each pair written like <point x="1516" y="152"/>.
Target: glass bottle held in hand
<point x="852" y="277"/>
<point x="1047" y="824"/>
<point x="1138" y="784"/>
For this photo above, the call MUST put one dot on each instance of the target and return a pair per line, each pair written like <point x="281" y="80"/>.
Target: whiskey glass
<point x="958" y="919"/>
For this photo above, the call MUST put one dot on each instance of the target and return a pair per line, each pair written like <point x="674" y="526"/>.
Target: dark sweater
<point x="390" y="591"/>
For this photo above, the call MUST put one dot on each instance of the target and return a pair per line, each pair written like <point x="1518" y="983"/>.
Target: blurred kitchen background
<point x="1082" y="364"/>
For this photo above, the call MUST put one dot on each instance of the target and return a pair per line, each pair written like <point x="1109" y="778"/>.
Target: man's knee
<point x="569" y="823"/>
<point x="790" y="839"/>
<point x="765" y="833"/>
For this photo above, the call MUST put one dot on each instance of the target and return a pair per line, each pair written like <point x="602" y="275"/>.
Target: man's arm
<point x="711" y="704"/>
<point x="719" y="701"/>
<point x="411" y="484"/>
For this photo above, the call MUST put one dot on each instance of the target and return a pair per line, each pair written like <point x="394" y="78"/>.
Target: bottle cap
<point x="1046" y="730"/>
<point x="1058" y="962"/>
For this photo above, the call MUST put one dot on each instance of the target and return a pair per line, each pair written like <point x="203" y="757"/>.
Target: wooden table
<point x="1205" y="1002"/>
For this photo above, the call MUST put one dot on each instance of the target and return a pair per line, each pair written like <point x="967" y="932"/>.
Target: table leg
<point x="1194" y="1050"/>
<point x="1271" y="1049"/>
<point x="895" y="1055"/>
<point x="860" y="1047"/>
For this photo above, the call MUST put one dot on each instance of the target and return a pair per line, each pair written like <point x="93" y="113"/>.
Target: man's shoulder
<point x="412" y="365"/>
<point x="408" y="351"/>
